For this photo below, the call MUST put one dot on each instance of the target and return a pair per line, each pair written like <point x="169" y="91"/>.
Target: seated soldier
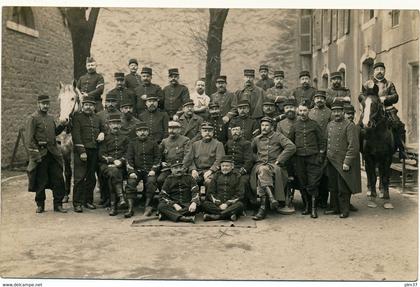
<point x="203" y="159"/>
<point x="179" y="196"/>
<point x="112" y="162"/>
<point x="143" y="160"/>
<point x="224" y="196"/>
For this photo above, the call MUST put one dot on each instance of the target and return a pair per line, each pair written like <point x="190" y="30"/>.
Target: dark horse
<point x="377" y="144"/>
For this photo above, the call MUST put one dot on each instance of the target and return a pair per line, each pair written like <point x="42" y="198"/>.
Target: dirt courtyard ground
<point x="372" y="244"/>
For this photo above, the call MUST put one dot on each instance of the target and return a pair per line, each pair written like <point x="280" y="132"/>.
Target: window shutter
<point x="305" y="34"/>
<point x="347" y="21"/>
<point x="334" y="24"/>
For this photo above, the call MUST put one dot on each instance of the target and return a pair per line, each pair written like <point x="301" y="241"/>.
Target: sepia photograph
<point x="212" y="143"/>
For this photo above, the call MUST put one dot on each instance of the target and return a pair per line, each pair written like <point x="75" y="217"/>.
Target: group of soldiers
<point x="220" y="154"/>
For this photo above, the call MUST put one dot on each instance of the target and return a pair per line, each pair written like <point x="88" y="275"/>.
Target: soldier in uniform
<point x="172" y="148"/>
<point x="249" y="126"/>
<point x="306" y="134"/>
<point x="389" y="96"/>
<point x="128" y="120"/>
<point x="112" y="162"/>
<point x="285" y="125"/>
<point x="269" y="176"/>
<point x="343" y="162"/>
<point x="45" y="169"/>
<point x="121" y="91"/>
<point x="224" y="197"/>
<point x="322" y="115"/>
<point x="270" y="110"/>
<point x="279" y="93"/>
<point x="200" y="99"/>
<point x="305" y="93"/>
<point x="179" y="197"/>
<point x="87" y="132"/>
<point x="203" y="159"/>
<point x="155" y="119"/>
<point x="92" y="83"/>
<point x="337" y="92"/>
<point x="253" y="94"/>
<point x="265" y="82"/>
<point x="220" y="127"/>
<point x="143" y="160"/>
<point x="224" y="98"/>
<point x="190" y="122"/>
<point x="240" y="150"/>
<point x="175" y="94"/>
<point x="146" y="87"/>
<point x="132" y="80"/>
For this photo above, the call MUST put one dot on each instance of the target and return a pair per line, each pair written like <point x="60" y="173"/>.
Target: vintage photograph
<point x="209" y="143"/>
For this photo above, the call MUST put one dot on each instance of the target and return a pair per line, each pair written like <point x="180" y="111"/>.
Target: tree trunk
<point x="82" y="31"/>
<point x="214" y="47"/>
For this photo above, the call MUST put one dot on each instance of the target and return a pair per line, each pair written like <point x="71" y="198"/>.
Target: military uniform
<point x="278" y="95"/>
<point x="45" y="169"/>
<point x="190" y="127"/>
<point x="321" y="116"/>
<point x="132" y="81"/>
<point x="265" y="84"/>
<point x="249" y="126"/>
<point x="305" y="95"/>
<point x="104" y="117"/>
<point x="285" y="125"/>
<point x="181" y="190"/>
<point x="147" y="89"/>
<point x="220" y="128"/>
<point x="334" y="94"/>
<point x="128" y="124"/>
<point x="86" y="129"/>
<point x="157" y="121"/>
<point x="224" y="101"/>
<point x="174" y="96"/>
<point x="254" y="95"/>
<point x="93" y="85"/>
<point x="342" y="148"/>
<point x="224" y="189"/>
<point x="122" y="94"/>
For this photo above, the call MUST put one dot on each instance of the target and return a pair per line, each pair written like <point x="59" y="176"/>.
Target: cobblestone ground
<point x="372" y="244"/>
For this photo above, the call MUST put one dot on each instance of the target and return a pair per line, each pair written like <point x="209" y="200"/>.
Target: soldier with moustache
<point x="224" y="98"/>
<point x="87" y="132"/>
<point x="146" y="87"/>
<point x="132" y="80"/>
<point x="265" y="82"/>
<point x="279" y="93"/>
<point x="45" y="168"/>
<point x="220" y="127"/>
<point x="112" y="163"/>
<point x="128" y="120"/>
<point x="120" y="91"/>
<point x="285" y="125"/>
<point x="305" y="93"/>
<point x="200" y="99"/>
<point x="190" y="122"/>
<point x="224" y="197"/>
<point x="388" y="96"/>
<point x="322" y="115"/>
<point x="173" y="148"/>
<point x="240" y="150"/>
<point x="174" y="95"/>
<point x="143" y="161"/>
<point x="155" y="119"/>
<point x="343" y="165"/>
<point x="337" y="92"/>
<point x="249" y="126"/>
<point x="179" y="196"/>
<point x="270" y="110"/>
<point x="271" y="151"/>
<point x="92" y="84"/>
<point x="253" y="94"/>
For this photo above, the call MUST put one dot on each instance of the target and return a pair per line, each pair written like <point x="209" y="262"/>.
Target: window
<point x="367" y="15"/>
<point x="343" y="22"/>
<point x="343" y="76"/>
<point x="21" y="19"/>
<point x="367" y="69"/>
<point x="395" y="18"/>
<point x="334" y="17"/>
<point x="326" y="27"/>
<point x="317" y="29"/>
<point x="305" y="34"/>
<point x="324" y="84"/>
<point x="413" y="103"/>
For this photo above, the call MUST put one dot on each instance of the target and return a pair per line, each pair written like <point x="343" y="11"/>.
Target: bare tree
<point x="82" y="23"/>
<point x="214" y="47"/>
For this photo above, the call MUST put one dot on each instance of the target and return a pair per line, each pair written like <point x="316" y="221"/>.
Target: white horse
<point x="70" y="102"/>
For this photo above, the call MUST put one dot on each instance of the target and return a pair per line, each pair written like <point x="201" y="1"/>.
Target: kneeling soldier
<point x="112" y="162"/>
<point x="143" y="161"/>
<point x="179" y="196"/>
<point x="224" y="195"/>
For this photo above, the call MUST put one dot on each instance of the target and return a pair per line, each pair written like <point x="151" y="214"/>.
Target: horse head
<point x="372" y="108"/>
<point x="69" y="99"/>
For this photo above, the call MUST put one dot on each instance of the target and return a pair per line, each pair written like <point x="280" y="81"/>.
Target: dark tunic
<point x="265" y="84"/>
<point x="122" y="93"/>
<point x="304" y="95"/>
<point x="308" y="137"/>
<point x="86" y="129"/>
<point x="190" y="127"/>
<point x="142" y="155"/>
<point x="174" y="97"/>
<point x="337" y="95"/>
<point x="157" y="121"/>
<point x="182" y="190"/>
<point x="249" y="126"/>
<point x="143" y="89"/>
<point x="224" y="188"/>
<point x="132" y="80"/>
<point x="241" y="152"/>
<point x="254" y="95"/>
<point x="321" y="116"/>
<point x="224" y="101"/>
<point x="92" y="84"/>
<point x="220" y="129"/>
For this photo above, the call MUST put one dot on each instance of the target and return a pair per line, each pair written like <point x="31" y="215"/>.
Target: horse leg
<point x="67" y="172"/>
<point x="370" y="166"/>
<point x="384" y="169"/>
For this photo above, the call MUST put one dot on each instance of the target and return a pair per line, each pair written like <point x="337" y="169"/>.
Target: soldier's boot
<point x="305" y="200"/>
<point x="274" y="204"/>
<point x="262" y="210"/>
<point x="119" y="191"/>
<point x="190" y="219"/>
<point x="59" y="208"/>
<point x="130" y="211"/>
<point x="210" y="217"/>
<point x="40" y="207"/>
<point x="387" y="200"/>
<point x="113" y="208"/>
<point x="148" y="207"/>
<point x="314" y="213"/>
